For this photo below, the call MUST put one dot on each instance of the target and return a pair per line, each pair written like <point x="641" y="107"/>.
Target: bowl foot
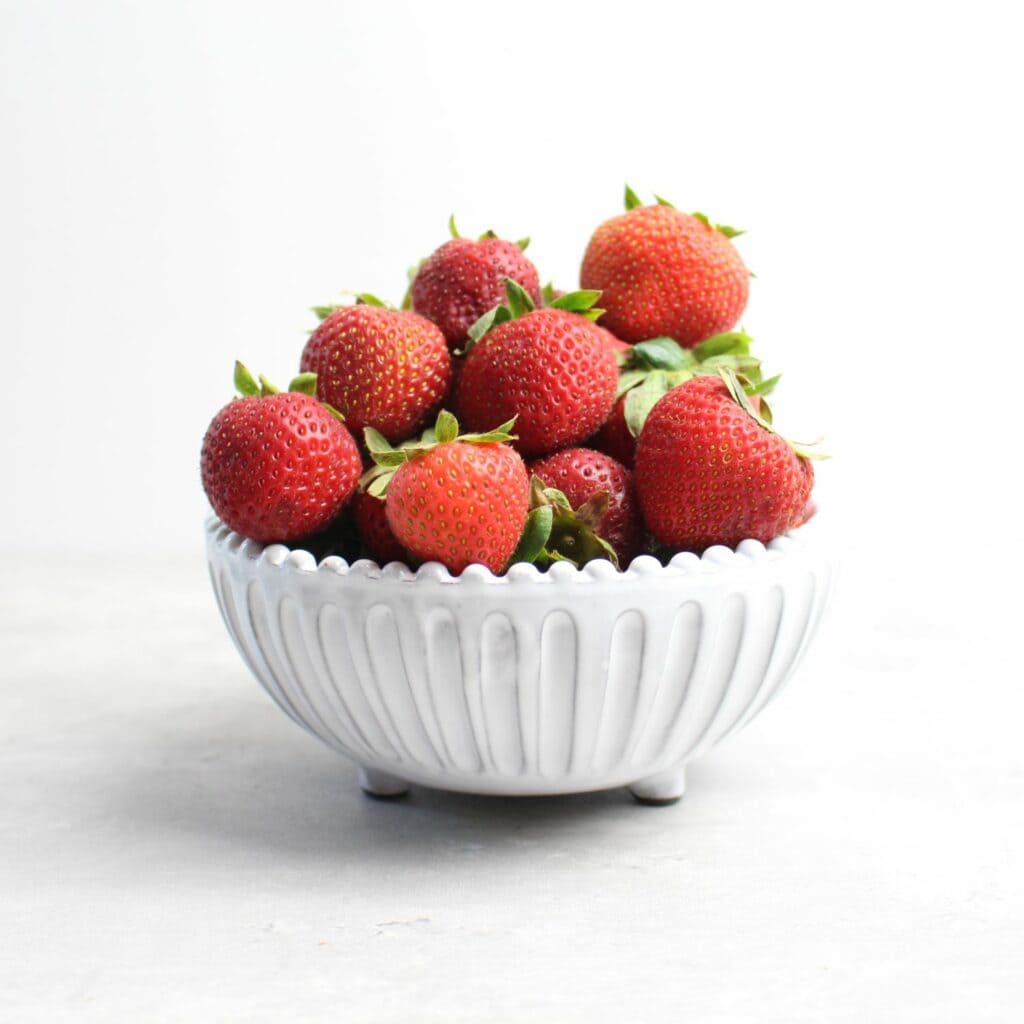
<point x="381" y="785"/>
<point x="662" y="789"/>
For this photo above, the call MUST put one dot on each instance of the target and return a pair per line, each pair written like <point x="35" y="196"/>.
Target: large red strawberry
<point x="710" y="470"/>
<point x="548" y="367"/>
<point x="277" y="466"/>
<point x="664" y="272"/>
<point x="651" y="368"/>
<point x="370" y="515"/>
<point x="383" y="368"/>
<point x="465" y="278"/>
<point x="580" y="474"/>
<point x="458" y="500"/>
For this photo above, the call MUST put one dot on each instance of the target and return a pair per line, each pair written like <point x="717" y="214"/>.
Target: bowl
<point x="525" y="684"/>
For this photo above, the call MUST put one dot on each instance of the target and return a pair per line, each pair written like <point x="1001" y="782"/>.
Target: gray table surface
<point x="172" y="848"/>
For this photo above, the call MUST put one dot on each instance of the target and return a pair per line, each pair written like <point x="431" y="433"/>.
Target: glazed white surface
<point x="173" y="848"/>
<point x="530" y="683"/>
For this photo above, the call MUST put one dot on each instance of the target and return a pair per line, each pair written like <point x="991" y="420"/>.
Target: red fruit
<point x="662" y="272"/>
<point x="460" y="503"/>
<point x="708" y="473"/>
<point x="614" y="438"/>
<point x="370" y="515"/>
<point x="615" y="344"/>
<point x="382" y="368"/>
<point x="279" y="467"/>
<point x="550" y="368"/>
<point x="463" y="279"/>
<point x="580" y="473"/>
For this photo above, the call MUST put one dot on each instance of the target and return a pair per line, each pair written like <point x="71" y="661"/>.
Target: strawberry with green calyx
<point x="652" y="368"/>
<point x="663" y="272"/>
<point x="550" y="368"/>
<point x="711" y="470"/>
<point x="278" y="466"/>
<point x="383" y="368"/>
<point x="581" y="474"/>
<point x="555" y="532"/>
<point x="453" y="498"/>
<point x="465" y="277"/>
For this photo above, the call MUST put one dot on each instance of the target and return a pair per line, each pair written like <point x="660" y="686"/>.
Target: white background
<point x="179" y="182"/>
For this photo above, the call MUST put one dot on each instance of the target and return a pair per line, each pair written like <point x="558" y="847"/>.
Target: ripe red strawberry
<point x="548" y="367"/>
<point x="649" y="369"/>
<point x="370" y="515"/>
<point x="458" y="500"/>
<point x="664" y="272"/>
<point x="277" y="466"/>
<point x="383" y="368"/>
<point x="580" y="473"/>
<point x="710" y="471"/>
<point x="465" y="278"/>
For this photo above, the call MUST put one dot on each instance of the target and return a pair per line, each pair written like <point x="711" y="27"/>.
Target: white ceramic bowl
<point x="530" y="683"/>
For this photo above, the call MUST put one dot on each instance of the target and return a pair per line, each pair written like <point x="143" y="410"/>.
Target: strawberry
<point x="465" y="278"/>
<point x="370" y="515"/>
<point x="580" y="474"/>
<point x="710" y="470"/>
<point x="278" y="466"/>
<point x="664" y="272"/>
<point x="458" y="500"/>
<point x="651" y="368"/>
<point x="383" y="368"/>
<point x="548" y="367"/>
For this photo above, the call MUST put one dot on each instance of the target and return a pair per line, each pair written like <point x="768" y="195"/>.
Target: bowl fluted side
<point x="528" y="683"/>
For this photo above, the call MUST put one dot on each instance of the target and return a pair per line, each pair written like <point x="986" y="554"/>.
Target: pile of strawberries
<point x="625" y="417"/>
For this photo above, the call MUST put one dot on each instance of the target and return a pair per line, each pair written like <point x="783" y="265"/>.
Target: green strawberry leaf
<point x="576" y="302"/>
<point x="493" y="317"/>
<point x="534" y="536"/>
<point x="323" y="312"/>
<point x="518" y="299"/>
<point x="523" y="244"/>
<point x="641" y="400"/>
<point x="446" y="428"/>
<point x="662" y="201"/>
<point x="632" y="200"/>
<point x="662" y="354"/>
<point x="735" y="386"/>
<point x="487" y="236"/>
<point x="339" y="416"/>
<point x="245" y="382"/>
<point x="559" y="534"/>
<point x="366" y="299"/>
<point x="764" y="387"/>
<point x="376" y="442"/>
<point x="498" y="435"/>
<point x="548" y="293"/>
<point x="444" y="431"/>
<point x="629" y="379"/>
<point x="452" y="229"/>
<point x="266" y="388"/>
<point x="729" y="343"/>
<point x="724" y="229"/>
<point x="303" y="384"/>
